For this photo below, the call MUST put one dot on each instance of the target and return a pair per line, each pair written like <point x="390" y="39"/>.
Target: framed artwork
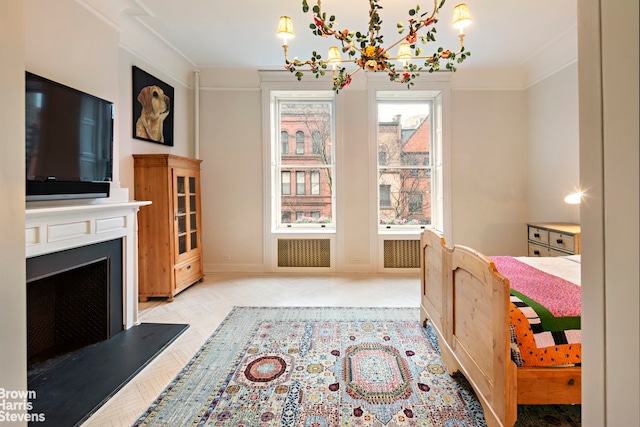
<point x="152" y="108"/>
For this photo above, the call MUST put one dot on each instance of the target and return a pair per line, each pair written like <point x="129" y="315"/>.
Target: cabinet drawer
<point x="561" y="241"/>
<point x="553" y="252"/>
<point x="188" y="273"/>
<point x="538" y="250"/>
<point x="539" y="235"/>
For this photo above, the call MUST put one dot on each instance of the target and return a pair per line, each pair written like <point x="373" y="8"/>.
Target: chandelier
<point x="366" y="50"/>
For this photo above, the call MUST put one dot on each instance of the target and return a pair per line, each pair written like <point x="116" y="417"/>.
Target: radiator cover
<point x="401" y="253"/>
<point x="304" y="252"/>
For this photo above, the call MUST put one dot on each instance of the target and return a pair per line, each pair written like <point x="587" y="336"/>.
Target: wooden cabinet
<point x="169" y="230"/>
<point x="553" y="239"/>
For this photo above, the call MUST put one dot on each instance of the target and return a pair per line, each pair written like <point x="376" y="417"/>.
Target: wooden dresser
<point x="169" y="230"/>
<point x="553" y="239"/>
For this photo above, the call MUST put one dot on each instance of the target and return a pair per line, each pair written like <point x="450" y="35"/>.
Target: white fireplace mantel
<point x="51" y="229"/>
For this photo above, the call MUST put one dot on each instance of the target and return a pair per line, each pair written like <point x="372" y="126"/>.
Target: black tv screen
<point x="69" y="142"/>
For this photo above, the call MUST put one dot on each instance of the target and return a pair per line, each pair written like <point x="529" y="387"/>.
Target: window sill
<point x="401" y="232"/>
<point x="304" y="231"/>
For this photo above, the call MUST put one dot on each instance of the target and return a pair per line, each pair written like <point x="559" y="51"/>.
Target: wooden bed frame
<point x="466" y="301"/>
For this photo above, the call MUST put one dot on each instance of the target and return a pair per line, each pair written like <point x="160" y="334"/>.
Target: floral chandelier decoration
<point x="366" y="50"/>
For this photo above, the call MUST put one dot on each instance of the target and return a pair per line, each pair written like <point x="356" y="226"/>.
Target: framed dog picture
<point x="152" y="108"/>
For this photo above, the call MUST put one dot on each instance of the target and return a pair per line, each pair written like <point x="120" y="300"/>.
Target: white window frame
<point x="439" y="86"/>
<point x="433" y="98"/>
<point x="276" y="224"/>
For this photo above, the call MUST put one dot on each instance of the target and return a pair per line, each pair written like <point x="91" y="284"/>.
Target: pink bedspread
<point x="559" y="296"/>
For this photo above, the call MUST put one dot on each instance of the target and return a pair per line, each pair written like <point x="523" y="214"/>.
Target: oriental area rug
<point x="317" y="367"/>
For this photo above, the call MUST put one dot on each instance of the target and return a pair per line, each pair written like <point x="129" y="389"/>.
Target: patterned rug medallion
<point x="316" y="367"/>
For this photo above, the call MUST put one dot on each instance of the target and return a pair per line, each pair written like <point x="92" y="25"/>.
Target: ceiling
<point x="230" y="34"/>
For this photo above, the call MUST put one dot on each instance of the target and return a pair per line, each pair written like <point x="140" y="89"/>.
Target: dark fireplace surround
<point x="74" y="299"/>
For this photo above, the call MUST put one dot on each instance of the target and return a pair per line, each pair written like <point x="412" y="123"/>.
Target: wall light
<point x="574" y="198"/>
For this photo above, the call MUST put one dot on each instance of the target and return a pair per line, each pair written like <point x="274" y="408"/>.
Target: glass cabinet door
<point x="193" y="214"/>
<point x="186" y="213"/>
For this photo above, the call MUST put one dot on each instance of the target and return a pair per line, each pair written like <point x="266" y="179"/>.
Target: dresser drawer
<point x="539" y="235"/>
<point x="561" y="241"/>
<point x="554" y="252"/>
<point x="538" y="250"/>
<point x="188" y="273"/>
<point x="553" y="239"/>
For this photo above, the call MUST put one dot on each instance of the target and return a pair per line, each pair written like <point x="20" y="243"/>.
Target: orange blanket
<point x="533" y="354"/>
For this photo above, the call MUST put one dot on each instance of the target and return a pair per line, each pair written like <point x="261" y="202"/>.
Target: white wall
<point x="355" y="199"/>
<point x="13" y="316"/>
<point x="231" y="149"/>
<point x="182" y="109"/>
<point x="620" y="83"/>
<point x="489" y="170"/>
<point x="93" y="53"/>
<point x="488" y="132"/>
<point x="552" y="146"/>
<point x="66" y="43"/>
<point x="609" y="171"/>
<point x="52" y="48"/>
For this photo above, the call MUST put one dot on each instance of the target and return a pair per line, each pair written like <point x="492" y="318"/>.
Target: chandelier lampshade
<point x="404" y="53"/>
<point x="285" y="28"/>
<point x="333" y="57"/>
<point x="461" y="16"/>
<point x="366" y="51"/>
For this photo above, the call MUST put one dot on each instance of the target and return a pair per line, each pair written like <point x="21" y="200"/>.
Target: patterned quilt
<point x="545" y="316"/>
<point x="531" y="345"/>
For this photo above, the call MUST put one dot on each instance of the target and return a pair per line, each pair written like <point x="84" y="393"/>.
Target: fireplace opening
<point x="74" y="299"/>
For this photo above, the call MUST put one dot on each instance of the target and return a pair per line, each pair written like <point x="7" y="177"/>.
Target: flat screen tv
<point x="69" y="142"/>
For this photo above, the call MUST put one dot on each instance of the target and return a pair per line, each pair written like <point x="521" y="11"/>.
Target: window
<point x="415" y="203"/>
<point x="286" y="182"/>
<point x="382" y="157"/>
<point x="309" y="115"/>
<point x="316" y="142"/>
<point x="315" y="183"/>
<point x="284" y="140"/>
<point x="299" y="142"/>
<point x="385" y="196"/>
<point x="300" y="183"/>
<point x="406" y="141"/>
